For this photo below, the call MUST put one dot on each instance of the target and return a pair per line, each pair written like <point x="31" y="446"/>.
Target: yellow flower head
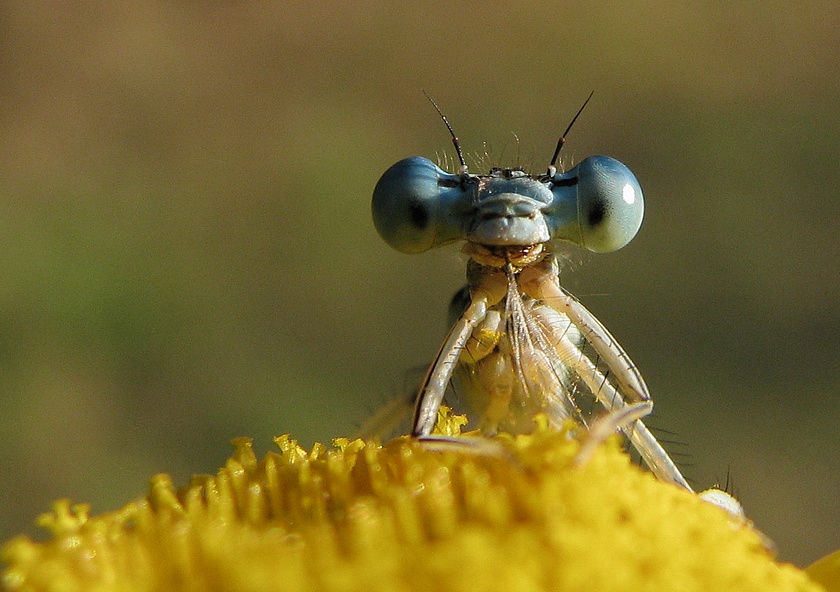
<point x="405" y="516"/>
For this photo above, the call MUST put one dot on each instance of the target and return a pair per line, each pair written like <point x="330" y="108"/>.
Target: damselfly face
<point x="597" y="205"/>
<point x="520" y="344"/>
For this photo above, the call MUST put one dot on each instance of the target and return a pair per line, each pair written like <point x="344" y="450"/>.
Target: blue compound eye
<point x="609" y="204"/>
<point x="413" y="205"/>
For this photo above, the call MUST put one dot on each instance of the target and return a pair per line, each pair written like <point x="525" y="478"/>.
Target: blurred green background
<point x="187" y="252"/>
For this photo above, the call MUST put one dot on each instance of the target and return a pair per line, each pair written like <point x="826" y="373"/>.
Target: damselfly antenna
<point x="455" y="141"/>
<point x="562" y="140"/>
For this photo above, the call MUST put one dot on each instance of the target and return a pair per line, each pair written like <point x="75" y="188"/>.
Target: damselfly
<point x="520" y="344"/>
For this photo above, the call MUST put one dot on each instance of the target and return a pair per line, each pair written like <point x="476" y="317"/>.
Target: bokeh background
<point x="186" y="251"/>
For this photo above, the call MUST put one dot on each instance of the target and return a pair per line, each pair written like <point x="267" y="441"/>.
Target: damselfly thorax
<point x="524" y="357"/>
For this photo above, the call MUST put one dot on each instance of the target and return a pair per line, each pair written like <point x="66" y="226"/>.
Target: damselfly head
<point x="418" y="206"/>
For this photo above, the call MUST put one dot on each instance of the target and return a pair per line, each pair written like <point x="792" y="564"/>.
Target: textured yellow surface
<point x="826" y="571"/>
<point x="515" y="516"/>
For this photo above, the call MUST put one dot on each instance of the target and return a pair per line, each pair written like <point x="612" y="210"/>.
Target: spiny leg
<point x="542" y="283"/>
<point x="606" y="426"/>
<point x="440" y="372"/>
<point x="609" y="396"/>
<point x="487" y="286"/>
